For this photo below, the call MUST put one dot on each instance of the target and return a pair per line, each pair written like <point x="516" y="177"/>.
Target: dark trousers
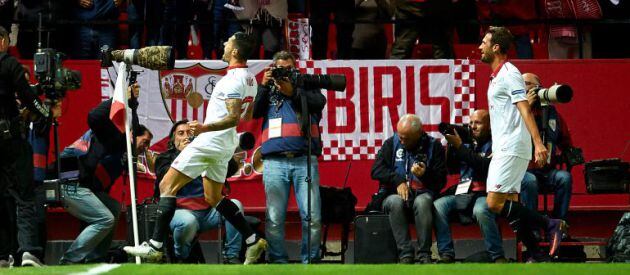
<point x="148" y="14"/>
<point x="343" y="11"/>
<point x="268" y="35"/>
<point x="427" y="21"/>
<point x="8" y="229"/>
<point x="16" y="180"/>
<point x="176" y="27"/>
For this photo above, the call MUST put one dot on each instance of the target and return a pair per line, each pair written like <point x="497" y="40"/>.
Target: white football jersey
<point x="510" y="136"/>
<point x="237" y="83"/>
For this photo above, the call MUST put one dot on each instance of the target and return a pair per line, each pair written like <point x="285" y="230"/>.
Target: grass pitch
<point x="434" y="269"/>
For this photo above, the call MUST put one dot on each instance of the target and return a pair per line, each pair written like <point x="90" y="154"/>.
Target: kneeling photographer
<point x="100" y="156"/>
<point x="556" y="137"/>
<point x="16" y="154"/>
<point x="469" y="153"/>
<point x="284" y="149"/>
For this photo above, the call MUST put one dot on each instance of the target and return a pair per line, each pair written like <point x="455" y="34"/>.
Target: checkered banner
<point x="355" y="122"/>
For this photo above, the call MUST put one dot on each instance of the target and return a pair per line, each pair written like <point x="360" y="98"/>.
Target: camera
<point x="558" y="93"/>
<point x="464" y="131"/>
<point x="153" y="57"/>
<point x="418" y="158"/>
<point x="54" y="79"/>
<point x="334" y="82"/>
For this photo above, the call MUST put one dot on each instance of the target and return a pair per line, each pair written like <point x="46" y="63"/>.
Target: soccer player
<point x="513" y="128"/>
<point x="209" y="153"/>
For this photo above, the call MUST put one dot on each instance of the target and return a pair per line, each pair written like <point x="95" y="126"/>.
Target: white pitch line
<point x="103" y="268"/>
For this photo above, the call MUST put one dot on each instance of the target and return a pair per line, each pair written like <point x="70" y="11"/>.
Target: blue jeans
<point x="186" y="223"/>
<point x="557" y="181"/>
<point x="279" y="174"/>
<point x="445" y="207"/>
<point x="100" y="212"/>
<point x="92" y="38"/>
<point x="396" y="208"/>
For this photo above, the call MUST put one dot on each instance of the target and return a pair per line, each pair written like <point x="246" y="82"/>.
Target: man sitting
<point x="193" y="213"/>
<point x="411" y="168"/>
<point x="472" y="159"/>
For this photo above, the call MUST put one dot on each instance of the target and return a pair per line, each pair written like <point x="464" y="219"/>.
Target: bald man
<point x="468" y="198"/>
<point x="556" y="136"/>
<point x="411" y="170"/>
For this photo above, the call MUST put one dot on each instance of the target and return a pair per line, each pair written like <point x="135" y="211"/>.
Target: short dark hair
<point x="502" y="37"/>
<point x="3" y="32"/>
<point x="244" y="44"/>
<point x="171" y="133"/>
<point x="143" y="129"/>
<point x="283" y="55"/>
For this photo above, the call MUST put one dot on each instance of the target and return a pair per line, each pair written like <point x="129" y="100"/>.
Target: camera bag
<point x="606" y="176"/>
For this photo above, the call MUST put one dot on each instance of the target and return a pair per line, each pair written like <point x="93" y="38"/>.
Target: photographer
<point x="100" y="154"/>
<point x="16" y="154"/>
<point x="411" y="169"/>
<point x="284" y="150"/>
<point x="194" y="215"/>
<point x="557" y="139"/>
<point x="468" y="198"/>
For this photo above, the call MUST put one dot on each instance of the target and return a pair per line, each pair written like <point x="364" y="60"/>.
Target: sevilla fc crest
<point x="186" y="91"/>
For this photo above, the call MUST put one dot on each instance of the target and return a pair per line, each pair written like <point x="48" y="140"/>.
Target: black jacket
<point x="107" y="147"/>
<point x="467" y="155"/>
<point x="12" y="82"/>
<point x="383" y="169"/>
<point x="104" y="129"/>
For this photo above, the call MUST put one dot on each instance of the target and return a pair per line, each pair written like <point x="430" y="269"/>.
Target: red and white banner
<point x="355" y="122"/>
<point x="298" y="33"/>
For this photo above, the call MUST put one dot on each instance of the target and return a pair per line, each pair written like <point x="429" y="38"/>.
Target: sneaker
<point x="145" y="251"/>
<point x="406" y="260"/>
<point x="424" y="260"/>
<point x="446" y="259"/>
<point x="555" y="230"/>
<point x="232" y="260"/>
<point x="254" y="251"/>
<point x="29" y="259"/>
<point x="538" y="258"/>
<point x="5" y="264"/>
<point x="501" y="260"/>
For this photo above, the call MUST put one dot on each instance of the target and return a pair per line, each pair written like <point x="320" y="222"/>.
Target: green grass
<point x="467" y="269"/>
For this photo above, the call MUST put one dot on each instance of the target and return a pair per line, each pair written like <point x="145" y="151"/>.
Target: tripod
<point x="306" y="123"/>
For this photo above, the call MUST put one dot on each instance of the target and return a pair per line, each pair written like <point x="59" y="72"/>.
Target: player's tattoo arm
<point x="249" y="113"/>
<point x="233" y="106"/>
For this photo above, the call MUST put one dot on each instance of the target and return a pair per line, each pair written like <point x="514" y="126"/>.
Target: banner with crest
<point x="354" y="122"/>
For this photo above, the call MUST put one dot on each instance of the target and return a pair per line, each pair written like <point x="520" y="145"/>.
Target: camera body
<point x="464" y="131"/>
<point x="54" y="79"/>
<point x="418" y="158"/>
<point x="310" y="81"/>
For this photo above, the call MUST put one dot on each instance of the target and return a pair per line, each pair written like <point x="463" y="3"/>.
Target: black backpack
<point x="618" y="248"/>
<point x="337" y="204"/>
